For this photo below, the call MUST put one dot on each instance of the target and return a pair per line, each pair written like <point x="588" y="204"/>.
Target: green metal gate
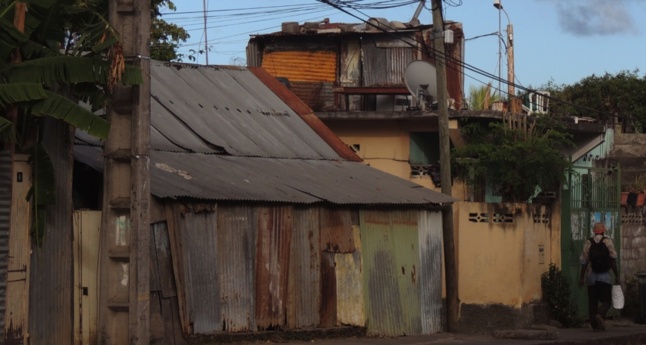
<point x="591" y="195"/>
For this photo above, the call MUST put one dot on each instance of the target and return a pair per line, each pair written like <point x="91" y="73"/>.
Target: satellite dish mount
<point x="421" y="80"/>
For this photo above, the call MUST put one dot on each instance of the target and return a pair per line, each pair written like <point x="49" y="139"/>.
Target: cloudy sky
<point x="561" y="41"/>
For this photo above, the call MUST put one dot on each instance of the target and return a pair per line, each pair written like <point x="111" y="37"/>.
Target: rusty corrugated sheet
<point x="385" y="66"/>
<point x="275" y="225"/>
<point x="254" y="54"/>
<point x="197" y="256"/>
<point x="391" y="263"/>
<point x="236" y="241"/>
<point x="349" y="284"/>
<point x="336" y="231"/>
<point x="430" y="273"/>
<point x="310" y="66"/>
<point x="349" y="75"/>
<point x="304" y="286"/>
<point x="50" y="306"/>
<point x="306" y="114"/>
<point x="5" y="206"/>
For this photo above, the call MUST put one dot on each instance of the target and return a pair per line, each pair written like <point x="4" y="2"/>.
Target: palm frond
<point x="21" y="92"/>
<point x="59" y="107"/>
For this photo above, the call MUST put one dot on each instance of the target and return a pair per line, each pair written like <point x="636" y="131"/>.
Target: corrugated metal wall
<point x="430" y="275"/>
<point x="301" y="66"/>
<point x="272" y="265"/>
<point x="236" y="257"/>
<point x="393" y="272"/>
<point x="196" y="252"/>
<point x="385" y="66"/>
<point x="5" y="207"/>
<point x="50" y="305"/>
<point x="286" y="267"/>
<point x="304" y="286"/>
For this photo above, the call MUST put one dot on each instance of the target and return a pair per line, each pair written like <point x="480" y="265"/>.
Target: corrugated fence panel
<point x="381" y="288"/>
<point x="5" y="203"/>
<point x="349" y="284"/>
<point x="309" y="66"/>
<point x="196" y="234"/>
<point x="406" y="248"/>
<point x="304" y="290"/>
<point x="272" y="265"/>
<point x="50" y="306"/>
<point x="430" y="272"/>
<point x="236" y="240"/>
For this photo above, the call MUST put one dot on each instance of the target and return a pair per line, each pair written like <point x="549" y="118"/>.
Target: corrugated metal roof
<point x="225" y="133"/>
<point x="217" y="177"/>
<point x="212" y="109"/>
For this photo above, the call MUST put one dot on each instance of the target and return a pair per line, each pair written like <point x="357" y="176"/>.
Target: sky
<point x="558" y="41"/>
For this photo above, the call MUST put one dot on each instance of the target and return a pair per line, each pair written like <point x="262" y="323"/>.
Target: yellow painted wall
<point x="502" y="262"/>
<point x="385" y="145"/>
<point x="498" y="263"/>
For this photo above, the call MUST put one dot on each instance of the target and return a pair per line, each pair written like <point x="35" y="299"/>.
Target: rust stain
<point x="13" y="335"/>
<point x="413" y="274"/>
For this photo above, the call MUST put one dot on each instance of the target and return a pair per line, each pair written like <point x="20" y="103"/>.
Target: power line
<point x="464" y="64"/>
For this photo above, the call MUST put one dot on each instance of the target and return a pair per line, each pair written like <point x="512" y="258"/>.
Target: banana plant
<point x="68" y="55"/>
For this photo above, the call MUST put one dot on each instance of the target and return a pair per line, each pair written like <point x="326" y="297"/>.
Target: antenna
<point x="421" y="80"/>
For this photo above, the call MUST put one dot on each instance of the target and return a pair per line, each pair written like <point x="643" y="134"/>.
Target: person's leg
<point x="593" y="302"/>
<point x="605" y="297"/>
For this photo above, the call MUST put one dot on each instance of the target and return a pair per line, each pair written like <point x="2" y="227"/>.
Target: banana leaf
<point x="21" y="92"/>
<point x="65" y="70"/>
<point x="59" y="107"/>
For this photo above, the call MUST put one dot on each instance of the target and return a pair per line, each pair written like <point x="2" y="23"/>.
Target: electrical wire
<point x="465" y="65"/>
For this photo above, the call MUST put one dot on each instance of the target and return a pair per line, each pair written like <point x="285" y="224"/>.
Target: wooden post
<point x="450" y="267"/>
<point x="511" y="92"/>
<point x="124" y="298"/>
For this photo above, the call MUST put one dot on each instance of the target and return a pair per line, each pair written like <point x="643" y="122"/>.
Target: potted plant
<point x="634" y="194"/>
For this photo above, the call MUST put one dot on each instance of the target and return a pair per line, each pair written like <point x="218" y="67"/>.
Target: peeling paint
<point x="124" y="277"/>
<point x="168" y="168"/>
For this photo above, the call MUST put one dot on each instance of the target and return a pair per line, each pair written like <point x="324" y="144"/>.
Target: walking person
<point x="598" y="258"/>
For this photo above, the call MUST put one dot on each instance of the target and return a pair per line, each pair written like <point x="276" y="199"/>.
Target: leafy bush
<point x="516" y="160"/>
<point x="556" y="293"/>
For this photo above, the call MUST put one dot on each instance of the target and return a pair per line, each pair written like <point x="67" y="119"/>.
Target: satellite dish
<point x="421" y="80"/>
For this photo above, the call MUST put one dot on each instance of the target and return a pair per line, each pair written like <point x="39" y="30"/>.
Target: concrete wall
<point x="385" y="145"/>
<point x="504" y="249"/>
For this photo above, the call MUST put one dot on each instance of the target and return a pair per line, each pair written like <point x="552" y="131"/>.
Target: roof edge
<point x="306" y="113"/>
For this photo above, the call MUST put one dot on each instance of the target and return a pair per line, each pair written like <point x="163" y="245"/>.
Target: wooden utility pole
<point x="511" y="92"/>
<point x="124" y="297"/>
<point x="450" y="267"/>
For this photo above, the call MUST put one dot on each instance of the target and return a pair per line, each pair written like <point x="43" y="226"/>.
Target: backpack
<point x="599" y="256"/>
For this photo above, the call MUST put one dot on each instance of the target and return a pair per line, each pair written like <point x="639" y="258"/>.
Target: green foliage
<point x="608" y="97"/>
<point x="556" y="293"/>
<point x="478" y="95"/>
<point x="165" y="37"/>
<point x="516" y="161"/>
